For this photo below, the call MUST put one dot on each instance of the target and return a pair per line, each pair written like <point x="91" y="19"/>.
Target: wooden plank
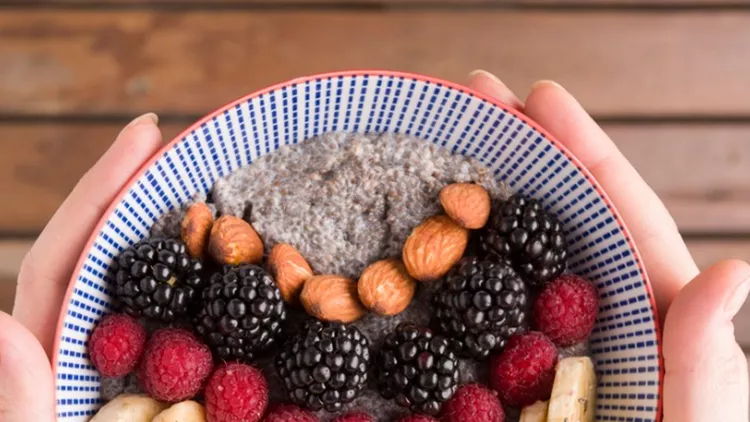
<point x="11" y="254"/>
<point x="128" y="61"/>
<point x="705" y="252"/>
<point x="41" y="163"/>
<point x="638" y="3"/>
<point x="701" y="171"/>
<point x="708" y="252"/>
<point x="7" y="294"/>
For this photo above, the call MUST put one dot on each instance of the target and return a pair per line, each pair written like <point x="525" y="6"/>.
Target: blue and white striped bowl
<point x="625" y="342"/>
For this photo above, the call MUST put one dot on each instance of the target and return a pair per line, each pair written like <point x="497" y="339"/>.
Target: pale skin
<point x="706" y="371"/>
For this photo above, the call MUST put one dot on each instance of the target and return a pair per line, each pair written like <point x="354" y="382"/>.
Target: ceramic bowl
<point x="625" y="342"/>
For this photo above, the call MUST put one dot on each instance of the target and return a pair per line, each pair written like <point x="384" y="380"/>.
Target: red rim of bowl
<point x="371" y="73"/>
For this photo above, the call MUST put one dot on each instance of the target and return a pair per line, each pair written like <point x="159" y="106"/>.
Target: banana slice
<point x="537" y="412"/>
<point x="574" y="391"/>
<point x="186" y="411"/>
<point x="129" y="408"/>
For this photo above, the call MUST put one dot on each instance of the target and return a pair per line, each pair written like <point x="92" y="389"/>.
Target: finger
<point x="26" y="385"/>
<point x="668" y="261"/>
<point x="489" y="84"/>
<point x="706" y="371"/>
<point x="47" y="268"/>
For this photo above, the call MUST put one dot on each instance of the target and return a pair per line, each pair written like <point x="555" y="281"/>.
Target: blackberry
<point x="242" y="312"/>
<point x="521" y="230"/>
<point x="324" y="366"/>
<point x="417" y="369"/>
<point x="157" y="279"/>
<point x="479" y="304"/>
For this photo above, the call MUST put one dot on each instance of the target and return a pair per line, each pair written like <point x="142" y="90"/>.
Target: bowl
<point x="625" y="342"/>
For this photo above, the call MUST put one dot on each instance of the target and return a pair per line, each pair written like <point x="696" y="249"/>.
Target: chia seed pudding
<point x="345" y="201"/>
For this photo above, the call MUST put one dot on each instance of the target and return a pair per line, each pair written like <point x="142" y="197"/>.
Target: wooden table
<point x="668" y="79"/>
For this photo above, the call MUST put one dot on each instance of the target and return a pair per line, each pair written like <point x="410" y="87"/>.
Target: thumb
<point x="706" y="371"/>
<point x="26" y="387"/>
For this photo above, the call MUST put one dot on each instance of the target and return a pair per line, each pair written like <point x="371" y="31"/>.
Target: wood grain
<point x="40" y="164"/>
<point x="11" y="254"/>
<point x="619" y="63"/>
<point x="7" y="294"/>
<point x="709" y="252"/>
<point x="428" y="3"/>
<point x="704" y="252"/>
<point x="701" y="171"/>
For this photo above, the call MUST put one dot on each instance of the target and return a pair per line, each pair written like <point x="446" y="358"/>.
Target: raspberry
<point x="116" y="345"/>
<point x="417" y="418"/>
<point x="474" y="403"/>
<point x="566" y="310"/>
<point x="355" y="417"/>
<point x="524" y="372"/>
<point x="236" y="393"/>
<point x="175" y="365"/>
<point x="289" y="413"/>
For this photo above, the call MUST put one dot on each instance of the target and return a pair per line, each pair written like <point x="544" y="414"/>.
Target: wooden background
<point x="668" y="79"/>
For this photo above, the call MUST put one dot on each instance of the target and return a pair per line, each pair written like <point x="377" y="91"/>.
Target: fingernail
<point x="738" y="298"/>
<point x="478" y="72"/>
<point x="148" y="117"/>
<point x="143" y="118"/>
<point x="546" y="82"/>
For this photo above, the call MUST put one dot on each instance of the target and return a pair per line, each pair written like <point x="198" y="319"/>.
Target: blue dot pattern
<point x="624" y="342"/>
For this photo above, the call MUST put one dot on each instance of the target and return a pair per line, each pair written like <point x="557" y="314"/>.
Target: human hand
<point x="706" y="371"/>
<point x="26" y="384"/>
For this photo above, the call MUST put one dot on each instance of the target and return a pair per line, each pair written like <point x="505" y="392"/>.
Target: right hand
<point x="706" y="371"/>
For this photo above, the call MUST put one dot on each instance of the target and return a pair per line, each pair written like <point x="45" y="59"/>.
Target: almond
<point x="467" y="204"/>
<point x="433" y="247"/>
<point x="332" y="298"/>
<point x="233" y="241"/>
<point x="196" y="228"/>
<point x="385" y="287"/>
<point x="290" y="270"/>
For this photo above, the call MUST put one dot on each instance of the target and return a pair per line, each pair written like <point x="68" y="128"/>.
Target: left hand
<point x="26" y="342"/>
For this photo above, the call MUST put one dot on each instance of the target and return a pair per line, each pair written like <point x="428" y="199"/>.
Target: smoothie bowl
<point x="360" y="246"/>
